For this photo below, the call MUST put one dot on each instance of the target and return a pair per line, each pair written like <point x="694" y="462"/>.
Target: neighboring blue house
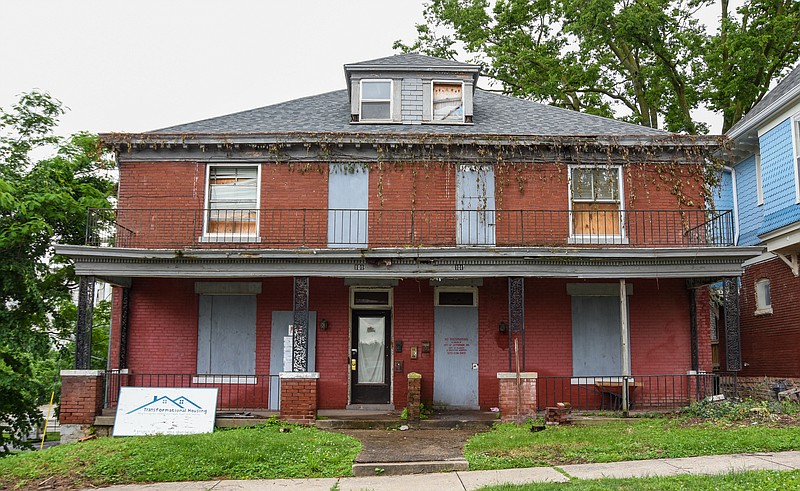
<point x="763" y="189"/>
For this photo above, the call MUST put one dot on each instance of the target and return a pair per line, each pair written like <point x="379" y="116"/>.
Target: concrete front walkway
<point x="469" y="480"/>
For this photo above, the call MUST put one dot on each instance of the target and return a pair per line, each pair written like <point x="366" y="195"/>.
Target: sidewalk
<point x="469" y="480"/>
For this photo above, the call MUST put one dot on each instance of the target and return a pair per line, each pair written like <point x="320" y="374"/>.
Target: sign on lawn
<point x="165" y="411"/>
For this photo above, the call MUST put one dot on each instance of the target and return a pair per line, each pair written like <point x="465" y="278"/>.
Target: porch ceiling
<point x="412" y="262"/>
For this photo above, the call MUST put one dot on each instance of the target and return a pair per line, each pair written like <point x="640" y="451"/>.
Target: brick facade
<point x="770" y="341"/>
<point x="163" y="333"/>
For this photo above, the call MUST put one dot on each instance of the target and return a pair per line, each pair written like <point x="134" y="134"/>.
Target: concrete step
<point x="404" y="468"/>
<point x="358" y="424"/>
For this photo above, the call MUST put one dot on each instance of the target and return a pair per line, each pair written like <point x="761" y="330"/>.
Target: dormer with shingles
<point x="411" y="89"/>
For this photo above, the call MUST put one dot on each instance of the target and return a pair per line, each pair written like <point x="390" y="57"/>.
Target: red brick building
<point x="313" y="253"/>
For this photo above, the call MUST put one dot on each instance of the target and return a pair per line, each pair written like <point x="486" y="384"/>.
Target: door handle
<point x="353" y="364"/>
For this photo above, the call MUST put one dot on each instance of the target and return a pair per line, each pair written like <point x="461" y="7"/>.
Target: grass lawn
<point x="508" y="446"/>
<point x="746" y="481"/>
<point x="259" y="452"/>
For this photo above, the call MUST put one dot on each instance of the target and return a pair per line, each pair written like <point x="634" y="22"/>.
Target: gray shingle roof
<point x="785" y="86"/>
<point x="411" y="60"/>
<point x="494" y="114"/>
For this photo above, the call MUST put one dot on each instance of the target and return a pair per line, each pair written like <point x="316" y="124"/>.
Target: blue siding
<point x="777" y="166"/>
<point x="723" y="198"/>
<point x="750" y="214"/>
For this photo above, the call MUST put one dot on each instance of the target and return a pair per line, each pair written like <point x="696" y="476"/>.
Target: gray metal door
<point x="348" y="205"/>
<point x="455" y="357"/>
<point x="475" y="204"/>
<point x="281" y="320"/>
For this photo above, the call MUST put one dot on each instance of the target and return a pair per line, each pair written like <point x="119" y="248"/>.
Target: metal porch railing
<point x="235" y="392"/>
<point x="152" y="228"/>
<point x="644" y="392"/>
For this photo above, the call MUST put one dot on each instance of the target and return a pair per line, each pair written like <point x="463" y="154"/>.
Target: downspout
<point x="735" y="203"/>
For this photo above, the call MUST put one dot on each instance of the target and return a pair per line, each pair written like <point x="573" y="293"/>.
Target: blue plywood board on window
<point x="596" y="338"/>
<point x="475" y="203"/>
<point x="226" y="335"/>
<point x="348" y="205"/>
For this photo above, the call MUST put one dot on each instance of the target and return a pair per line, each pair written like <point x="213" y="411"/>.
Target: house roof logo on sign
<point x="178" y="402"/>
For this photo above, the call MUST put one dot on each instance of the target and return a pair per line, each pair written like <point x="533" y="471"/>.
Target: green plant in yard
<point x="745" y="481"/>
<point x="739" y="410"/>
<point x="257" y="452"/>
<point x="508" y="445"/>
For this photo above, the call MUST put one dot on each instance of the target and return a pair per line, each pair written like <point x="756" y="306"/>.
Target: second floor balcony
<point x="151" y="228"/>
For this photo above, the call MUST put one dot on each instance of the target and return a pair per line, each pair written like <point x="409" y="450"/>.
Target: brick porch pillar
<point x="517" y="403"/>
<point x="81" y="401"/>
<point x="299" y="397"/>
<point x="414" y="395"/>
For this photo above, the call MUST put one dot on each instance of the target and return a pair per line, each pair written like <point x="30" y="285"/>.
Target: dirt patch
<point x="409" y="445"/>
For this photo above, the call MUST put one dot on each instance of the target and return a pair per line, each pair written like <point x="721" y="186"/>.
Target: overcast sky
<point x="144" y="64"/>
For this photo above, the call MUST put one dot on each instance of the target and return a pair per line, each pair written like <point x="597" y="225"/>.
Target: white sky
<point x="139" y="65"/>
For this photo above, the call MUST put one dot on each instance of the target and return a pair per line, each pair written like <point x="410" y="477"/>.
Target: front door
<point x="455" y="362"/>
<point x="370" y="357"/>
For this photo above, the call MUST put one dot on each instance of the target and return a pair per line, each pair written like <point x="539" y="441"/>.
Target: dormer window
<point x="448" y="102"/>
<point x="376" y="100"/>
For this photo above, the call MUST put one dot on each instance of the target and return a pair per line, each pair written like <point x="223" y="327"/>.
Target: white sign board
<point x="165" y="411"/>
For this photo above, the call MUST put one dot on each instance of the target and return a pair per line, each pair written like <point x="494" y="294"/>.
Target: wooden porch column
<point x="623" y="332"/>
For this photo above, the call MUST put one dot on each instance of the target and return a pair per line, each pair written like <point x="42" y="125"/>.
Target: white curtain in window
<point x="371" y="337"/>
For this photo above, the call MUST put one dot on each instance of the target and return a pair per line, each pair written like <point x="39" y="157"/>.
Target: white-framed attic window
<point x="376" y="100"/>
<point x="447" y="102"/>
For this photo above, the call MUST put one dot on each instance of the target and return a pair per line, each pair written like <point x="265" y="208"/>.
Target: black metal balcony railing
<point x="234" y="392"/>
<point x="319" y="228"/>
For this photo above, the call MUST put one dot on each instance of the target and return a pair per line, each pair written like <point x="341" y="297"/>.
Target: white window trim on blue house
<point x="796" y="154"/>
<point x="759" y="180"/>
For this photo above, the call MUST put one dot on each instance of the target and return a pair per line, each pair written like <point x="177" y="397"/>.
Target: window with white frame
<point x="232" y="200"/>
<point x="759" y="181"/>
<point x="448" y="102"/>
<point x="596" y="200"/>
<point x="763" y="297"/>
<point x="796" y="146"/>
<point x="376" y="100"/>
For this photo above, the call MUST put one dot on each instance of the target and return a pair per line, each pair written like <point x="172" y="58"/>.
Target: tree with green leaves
<point x="42" y="201"/>
<point x="649" y="62"/>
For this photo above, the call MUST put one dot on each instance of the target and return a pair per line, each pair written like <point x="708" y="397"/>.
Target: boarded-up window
<point x="596" y="338"/>
<point x="376" y="100"/>
<point x="232" y="200"/>
<point x="595" y="200"/>
<point x="448" y="102"/>
<point x="226" y="335"/>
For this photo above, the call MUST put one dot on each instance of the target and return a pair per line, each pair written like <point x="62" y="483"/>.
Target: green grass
<point x="508" y="446"/>
<point x="259" y="452"/>
<point x="745" y="481"/>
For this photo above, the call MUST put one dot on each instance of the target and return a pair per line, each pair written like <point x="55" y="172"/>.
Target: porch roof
<point x="118" y="265"/>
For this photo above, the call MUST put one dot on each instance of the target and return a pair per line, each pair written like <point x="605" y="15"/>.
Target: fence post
<point x="624" y="393"/>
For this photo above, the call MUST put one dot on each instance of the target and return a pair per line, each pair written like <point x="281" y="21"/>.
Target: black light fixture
<point x="323" y="325"/>
<point x="503" y="327"/>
